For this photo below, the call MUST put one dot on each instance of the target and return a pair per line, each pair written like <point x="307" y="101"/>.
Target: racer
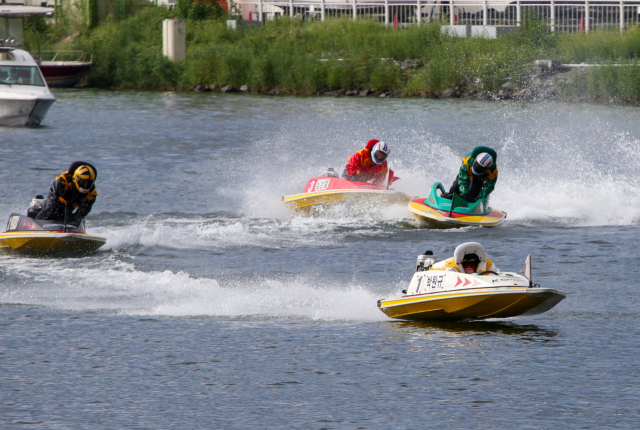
<point x="369" y="164"/>
<point x="468" y="258"/>
<point x="478" y="175"/>
<point x="72" y="193"/>
<point x="13" y="77"/>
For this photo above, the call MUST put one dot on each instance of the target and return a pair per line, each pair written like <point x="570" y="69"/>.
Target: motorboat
<point x="25" y="97"/>
<point x="28" y="236"/>
<point x="64" y="69"/>
<point x="435" y="294"/>
<point x="329" y="189"/>
<point x="440" y="212"/>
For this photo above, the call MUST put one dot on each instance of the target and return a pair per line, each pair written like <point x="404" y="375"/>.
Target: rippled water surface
<point x="212" y="306"/>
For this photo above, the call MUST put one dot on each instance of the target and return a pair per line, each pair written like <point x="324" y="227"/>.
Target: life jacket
<point x="71" y="195"/>
<point x="450" y="265"/>
<point x="360" y="163"/>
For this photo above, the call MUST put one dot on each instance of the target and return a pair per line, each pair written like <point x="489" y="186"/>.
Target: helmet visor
<point x="478" y="169"/>
<point x="471" y="258"/>
<point x="84" y="185"/>
<point x="380" y="156"/>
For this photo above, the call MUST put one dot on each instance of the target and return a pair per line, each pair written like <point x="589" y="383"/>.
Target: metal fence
<point x="565" y="15"/>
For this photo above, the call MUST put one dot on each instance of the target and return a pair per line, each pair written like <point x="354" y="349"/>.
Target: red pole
<point x="581" y="27"/>
<point x="455" y="19"/>
<point x="395" y="20"/>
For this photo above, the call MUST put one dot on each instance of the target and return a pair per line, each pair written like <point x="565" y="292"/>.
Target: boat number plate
<point x="322" y="184"/>
<point x="13" y="222"/>
<point x="430" y="282"/>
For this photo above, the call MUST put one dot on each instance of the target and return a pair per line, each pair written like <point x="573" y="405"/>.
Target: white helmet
<point x="470" y="251"/>
<point x="483" y="161"/>
<point x="380" y="152"/>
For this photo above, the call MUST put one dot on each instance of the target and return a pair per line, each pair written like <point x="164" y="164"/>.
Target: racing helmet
<point x="483" y="161"/>
<point x="84" y="178"/>
<point x="470" y="263"/>
<point x="380" y="152"/>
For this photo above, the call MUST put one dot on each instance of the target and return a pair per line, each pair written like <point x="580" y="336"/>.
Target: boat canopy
<point x="16" y="57"/>
<point x="12" y="23"/>
<point x="14" y="10"/>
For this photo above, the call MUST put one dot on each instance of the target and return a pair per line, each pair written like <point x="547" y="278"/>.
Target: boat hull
<point x="326" y="190"/>
<point x="50" y="243"/>
<point x="482" y="303"/>
<point x="23" y="112"/>
<point x="438" y="218"/>
<point x="307" y="200"/>
<point x="60" y="74"/>
<point x="15" y="112"/>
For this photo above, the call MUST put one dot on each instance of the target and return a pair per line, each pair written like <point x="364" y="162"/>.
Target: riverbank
<point x="336" y="57"/>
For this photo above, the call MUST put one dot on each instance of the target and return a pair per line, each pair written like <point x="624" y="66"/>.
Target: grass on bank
<point x="306" y="57"/>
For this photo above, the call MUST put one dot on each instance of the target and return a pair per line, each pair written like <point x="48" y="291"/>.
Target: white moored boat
<point x="444" y="295"/>
<point x="25" y="97"/>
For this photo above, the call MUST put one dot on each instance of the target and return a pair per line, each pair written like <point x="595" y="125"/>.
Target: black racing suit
<point x="64" y="196"/>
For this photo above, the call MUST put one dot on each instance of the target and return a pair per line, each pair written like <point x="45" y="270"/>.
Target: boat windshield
<point x="21" y="75"/>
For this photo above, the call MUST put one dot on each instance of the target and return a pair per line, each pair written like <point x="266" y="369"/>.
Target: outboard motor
<point x="425" y="261"/>
<point x="330" y="173"/>
<point x="35" y="207"/>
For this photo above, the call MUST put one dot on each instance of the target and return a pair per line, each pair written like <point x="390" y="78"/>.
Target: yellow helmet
<point x="84" y="177"/>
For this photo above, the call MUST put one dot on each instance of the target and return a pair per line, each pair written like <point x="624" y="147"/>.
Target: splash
<point x="122" y="289"/>
<point x="559" y="164"/>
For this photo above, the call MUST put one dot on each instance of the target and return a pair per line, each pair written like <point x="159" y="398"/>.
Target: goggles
<point x="472" y="258"/>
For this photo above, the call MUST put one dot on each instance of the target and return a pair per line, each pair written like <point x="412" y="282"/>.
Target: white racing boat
<point x="439" y="295"/>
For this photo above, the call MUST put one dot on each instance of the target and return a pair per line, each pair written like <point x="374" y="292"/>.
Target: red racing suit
<point x="361" y="167"/>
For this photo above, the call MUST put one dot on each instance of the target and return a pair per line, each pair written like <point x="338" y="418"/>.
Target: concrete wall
<point x="174" y="39"/>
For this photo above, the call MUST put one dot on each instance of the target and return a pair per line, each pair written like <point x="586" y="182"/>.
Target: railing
<point x="66" y="56"/>
<point x="564" y="15"/>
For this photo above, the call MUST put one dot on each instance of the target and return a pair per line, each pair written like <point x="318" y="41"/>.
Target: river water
<point x="212" y="306"/>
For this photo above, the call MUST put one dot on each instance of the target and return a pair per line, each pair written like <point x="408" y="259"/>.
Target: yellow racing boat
<point x="442" y="295"/>
<point x="28" y="236"/>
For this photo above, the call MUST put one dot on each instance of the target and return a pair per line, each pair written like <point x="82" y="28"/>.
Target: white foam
<point x="122" y="289"/>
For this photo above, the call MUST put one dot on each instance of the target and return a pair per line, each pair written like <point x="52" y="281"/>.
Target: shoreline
<point x="548" y="81"/>
<point x="361" y="58"/>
